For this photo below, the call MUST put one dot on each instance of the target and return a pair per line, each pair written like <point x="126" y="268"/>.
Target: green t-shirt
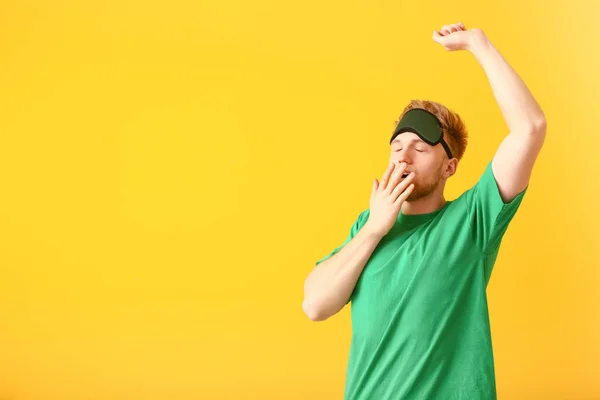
<point x="420" y="323"/>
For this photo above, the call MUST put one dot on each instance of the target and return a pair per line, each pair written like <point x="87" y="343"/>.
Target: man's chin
<point x="418" y="194"/>
<point x="414" y="196"/>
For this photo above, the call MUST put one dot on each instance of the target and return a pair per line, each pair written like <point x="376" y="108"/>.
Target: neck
<point x="425" y="205"/>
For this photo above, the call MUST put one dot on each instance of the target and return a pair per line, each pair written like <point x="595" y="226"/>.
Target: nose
<point x="402" y="155"/>
<point x="398" y="163"/>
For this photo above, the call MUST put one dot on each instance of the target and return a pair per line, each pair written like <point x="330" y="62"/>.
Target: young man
<point x="415" y="265"/>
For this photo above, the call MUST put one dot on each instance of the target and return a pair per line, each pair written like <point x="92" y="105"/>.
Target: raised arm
<point x="513" y="162"/>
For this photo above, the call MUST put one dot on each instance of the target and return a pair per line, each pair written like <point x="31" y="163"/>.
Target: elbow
<point x="313" y="311"/>
<point x="538" y="127"/>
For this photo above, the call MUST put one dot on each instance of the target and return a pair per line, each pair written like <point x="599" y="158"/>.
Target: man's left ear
<point x="451" y="168"/>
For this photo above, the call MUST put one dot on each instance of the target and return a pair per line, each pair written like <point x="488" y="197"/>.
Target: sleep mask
<point x="425" y="125"/>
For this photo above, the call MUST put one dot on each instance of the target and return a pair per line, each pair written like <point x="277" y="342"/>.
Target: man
<point x="415" y="265"/>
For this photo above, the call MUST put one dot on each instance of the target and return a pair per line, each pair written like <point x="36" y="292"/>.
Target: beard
<point x="424" y="189"/>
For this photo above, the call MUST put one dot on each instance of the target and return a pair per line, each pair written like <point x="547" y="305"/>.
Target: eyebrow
<point x="410" y="141"/>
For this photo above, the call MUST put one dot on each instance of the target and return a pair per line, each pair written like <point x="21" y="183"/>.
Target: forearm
<point x="330" y="284"/>
<point x="519" y="108"/>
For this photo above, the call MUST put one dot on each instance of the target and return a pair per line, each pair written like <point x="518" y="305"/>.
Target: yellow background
<point x="170" y="172"/>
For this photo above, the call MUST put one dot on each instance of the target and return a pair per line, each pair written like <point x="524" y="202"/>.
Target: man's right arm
<point x="329" y="286"/>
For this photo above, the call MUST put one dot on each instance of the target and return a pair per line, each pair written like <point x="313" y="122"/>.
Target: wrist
<point x="372" y="232"/>
<point x="478" y="43"/>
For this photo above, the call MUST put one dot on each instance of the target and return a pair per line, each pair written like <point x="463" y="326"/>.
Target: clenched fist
<point x="457" y="37"/>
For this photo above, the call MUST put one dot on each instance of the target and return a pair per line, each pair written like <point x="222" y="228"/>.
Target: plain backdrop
<point x="171" y="171"/>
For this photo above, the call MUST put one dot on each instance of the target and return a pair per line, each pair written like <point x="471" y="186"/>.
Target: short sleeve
<point x="360" y="221"/>
<point x="489" y="215"/>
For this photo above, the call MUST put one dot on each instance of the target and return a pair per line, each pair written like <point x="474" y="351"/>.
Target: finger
<point x="402" y="185"/>
<point x="404" y="195"/>
<point x="392" y="181"/>
<point x="437" y="36"/>
<point x="375" y="184"/>
<point x="396" y="178"/>
<point x="462" y="26"/>
<point x="454" y="28"/>
<point x="445" y="30"/>
<point x="386" y="177"/>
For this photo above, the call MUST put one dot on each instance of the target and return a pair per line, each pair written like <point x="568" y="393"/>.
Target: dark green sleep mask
<point x="425" y="125"/>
